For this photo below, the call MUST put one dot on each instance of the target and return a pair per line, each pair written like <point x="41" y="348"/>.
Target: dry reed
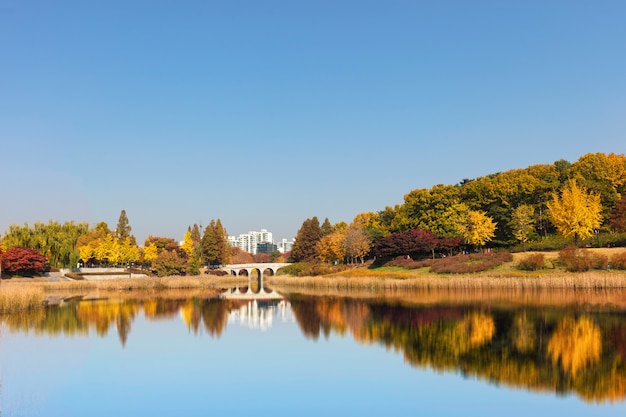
<point x="20" y="297"/>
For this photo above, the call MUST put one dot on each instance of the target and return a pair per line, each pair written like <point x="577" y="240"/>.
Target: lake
<point x="310" y="354"/>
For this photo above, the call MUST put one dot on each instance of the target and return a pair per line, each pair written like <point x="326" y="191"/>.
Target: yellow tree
<point x="129" y="252"/>
<point x="478" y="228"/>
<point x="330" y="248"/>
<point x="188" y="244"/>
<point x="150" y="252"/>
<point x="576" y="213"/>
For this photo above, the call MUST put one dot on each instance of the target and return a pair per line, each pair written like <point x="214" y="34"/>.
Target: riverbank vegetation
<point x="469" y="227"/>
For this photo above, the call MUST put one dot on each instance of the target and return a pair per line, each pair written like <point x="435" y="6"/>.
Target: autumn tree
<point x="357" y="243"/>
<point x="522" y="222"/>
<point x="215" y="247"/>
<point x="223" y="247"/>
<point x="305" y="245"/>
<point x="22" y="261"/>
<point x="150" y="252"/>
<point x="122" y="231"/>
<point x="331" y="248"/>
<point x="478" y="228"/>
<point x="169" y="263"/>
<point x="576" y="213"/>
<point x="161" y="243"/>
<point x="188" y="243"/>
<point x="617" y="219"/>
<point x="326" y="227"/>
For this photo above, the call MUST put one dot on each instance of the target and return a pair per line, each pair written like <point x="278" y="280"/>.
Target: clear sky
<point x="264" y="113"/>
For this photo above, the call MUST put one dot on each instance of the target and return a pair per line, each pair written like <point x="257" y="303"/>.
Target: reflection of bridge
<point x="247" y="269"/>
<point x="246" y="293"/>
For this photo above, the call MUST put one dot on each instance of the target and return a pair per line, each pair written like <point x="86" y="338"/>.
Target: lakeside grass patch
<point x="19" y="297"/>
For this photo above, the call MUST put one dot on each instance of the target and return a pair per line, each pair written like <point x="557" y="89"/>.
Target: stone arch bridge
<point x="247" y="269"/>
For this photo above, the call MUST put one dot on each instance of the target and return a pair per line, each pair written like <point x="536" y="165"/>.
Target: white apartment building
<point x="285" y="246"/>
<point x="248" y="241"/>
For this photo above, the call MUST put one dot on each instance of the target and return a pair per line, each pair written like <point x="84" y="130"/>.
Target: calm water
<point x="427" y="354"/>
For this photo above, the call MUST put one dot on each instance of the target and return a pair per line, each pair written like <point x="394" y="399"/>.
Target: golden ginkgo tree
<point x="478" y="228"/>
<point x="576" y="213"/>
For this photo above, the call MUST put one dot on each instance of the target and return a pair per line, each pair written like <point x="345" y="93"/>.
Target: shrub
<point x="294" y="269"/>
<point x="575" y="259"/>
<point x="532" y="262"/>
<point x="408" y="263"/>
<point x="23" y="261"/>
<point x="464" y="264"/>
<point x="618" y="261"/>
<point x="169" y="263"/>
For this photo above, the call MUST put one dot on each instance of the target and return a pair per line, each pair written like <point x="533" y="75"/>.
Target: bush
<point x="23" y="261"/>
<point x="575" y="259"/>
<point x="464" y="264"/>
<point x="408" y="263"/>
<point x="532" y="262"/>
<point x="169" y="263"/>
<point x="618" y="261"/>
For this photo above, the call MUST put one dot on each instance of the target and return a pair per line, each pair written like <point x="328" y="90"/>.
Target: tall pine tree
<point x="305" y="246"/>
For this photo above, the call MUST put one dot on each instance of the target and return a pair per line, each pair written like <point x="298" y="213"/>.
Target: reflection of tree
<point x="503" y="345"/>
<point x="523" y="333"/>
<point x="214" y="316"/>
<point x="575" y="344"/>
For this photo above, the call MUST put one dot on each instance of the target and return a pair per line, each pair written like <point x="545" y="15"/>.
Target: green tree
<point x="576" y="213"/>
<point x="522" y="222"/>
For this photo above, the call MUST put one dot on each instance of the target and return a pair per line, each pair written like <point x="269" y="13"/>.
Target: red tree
<point x="23" y="261"/>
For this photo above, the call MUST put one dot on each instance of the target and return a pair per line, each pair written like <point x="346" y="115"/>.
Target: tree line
<point x="28" y="250"/>
<point x="575" y="201"/>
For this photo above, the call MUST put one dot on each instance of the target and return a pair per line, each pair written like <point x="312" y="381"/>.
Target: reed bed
<point x="590" y="280"/>
<point x="21" y="297"/>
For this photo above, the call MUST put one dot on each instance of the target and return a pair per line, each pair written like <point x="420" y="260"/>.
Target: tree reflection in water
<point x="570" y="348"/>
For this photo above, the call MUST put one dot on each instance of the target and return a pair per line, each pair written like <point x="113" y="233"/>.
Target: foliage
<point x="464" y="264"/>
<point x="357" y="243"/>
<point x="532" y="262"/>
<point x="575" y="259"/>
<point x="413" y="243"/>
<point x="56" y="241"/>
<point x="169" y="263"/>
<point x="330" y="247"/>
<point x="188" y="243"/>
<point x="618" y="261"/>
<point x="162" y="243"/>
<point x="215" y="247"/>
<point x="305" y="245"/>
<point x="617" y="218"/>
<point x="122" y="231"/>
<point x="23" y="261"/>
<point x="576" y="213"/>
<point x="522" y="223"/>
<point x="150" y="252"/>
<point x="239" y="256"/>
<point x="478" y="228"/>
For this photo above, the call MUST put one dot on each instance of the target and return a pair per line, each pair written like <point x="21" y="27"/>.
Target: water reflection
<point x="562" y="349"/>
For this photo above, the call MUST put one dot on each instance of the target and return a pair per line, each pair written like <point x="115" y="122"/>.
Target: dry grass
<point x="18" y="297"/>
<point x="522" y="281"/>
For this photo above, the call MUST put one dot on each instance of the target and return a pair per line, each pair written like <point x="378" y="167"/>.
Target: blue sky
<point x="265" y="113"/>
